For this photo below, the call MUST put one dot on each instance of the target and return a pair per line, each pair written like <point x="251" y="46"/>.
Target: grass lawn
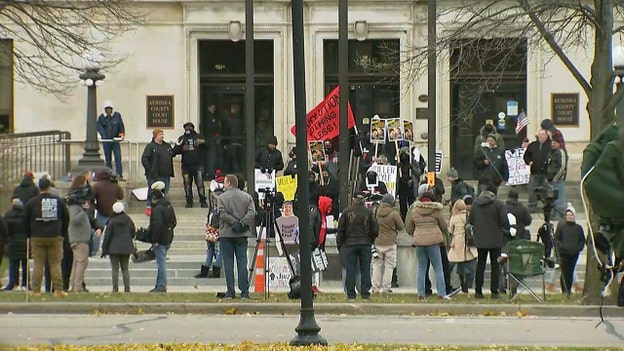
<point x="14" y="296"/>
<point x="247" y="346"/>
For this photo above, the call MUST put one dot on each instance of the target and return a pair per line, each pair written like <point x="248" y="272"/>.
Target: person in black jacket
<point x="26" y="189"/>
<point x="191" y="146"/>
<point x="357" y="230"/>
<point x="536" y="157"/>
<point x="162" y="222"/>
<point x="491" y="164"/>
<point x="489" y="219"/>
<point x="4" y="238"/>
<point x="269" y="158"/>
<point x="157" y="160"/>
<point x="570" y="240"/>
<point x="46" y="220"/>
<point x="14" y="219"/>
<point x="291" y="167"/>
<point x="407" y="182"/>
<point x="118" y="245"/>
<point x="522" y="215"/>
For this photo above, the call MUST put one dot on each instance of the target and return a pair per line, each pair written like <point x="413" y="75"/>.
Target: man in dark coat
<point x="26" y="189"/>
<point x="161" y="225"/>
<point x="269" y="158"/>
<point x="4" y="238"/>
<point x="357" y="230"/>
<point x="14" y="219"/>
<point x="191" y="146"/>
<point x="489" y="218"/>
<point x="157" y="160"/>
<point x="521" y="213"/>
<point x="407" y="182"/>
<point x="291" y="167"/>
<point x="536" y="157"/>
<point x="491" y="164"/>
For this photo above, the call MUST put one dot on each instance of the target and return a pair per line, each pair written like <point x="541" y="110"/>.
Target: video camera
<point x="269" y="195"/>
<point x="547" y="193"/>
<point x="78" y="196"/>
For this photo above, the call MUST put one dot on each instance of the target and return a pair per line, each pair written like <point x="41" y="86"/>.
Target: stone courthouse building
<point x="187" y="55"/>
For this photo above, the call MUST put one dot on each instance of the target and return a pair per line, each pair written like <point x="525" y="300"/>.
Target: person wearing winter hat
<point x="26" y="189"/>
<point x="385" y="254"/>
<point x="459" y="187"/>
<point x="118" y="245"/>
<point x="111" y="128"/>
<point x="157" y="160"/>
<point x="269" y="158"/>
<point x="191" y="146"/>
<point x="16" y="245"/>
<point x="490" y="164"/>
<point x="291" y="167"/>
<point x="556" y="171"/>
<point x="569" y="241"/>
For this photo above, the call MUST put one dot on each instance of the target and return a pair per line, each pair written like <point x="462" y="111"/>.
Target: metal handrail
<point x="42" y="151"/>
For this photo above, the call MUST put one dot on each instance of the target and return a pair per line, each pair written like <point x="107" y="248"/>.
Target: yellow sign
<point x="287" y="185"/>
<point x="431" y="178"/>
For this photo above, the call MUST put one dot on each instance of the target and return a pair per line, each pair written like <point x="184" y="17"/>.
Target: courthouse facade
<point x="188" y="55"/>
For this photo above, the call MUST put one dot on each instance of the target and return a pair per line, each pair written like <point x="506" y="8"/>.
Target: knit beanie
<point x="155" y="132"/>
<point x="388" y="199"/>
<point x="571" y="209"/>
<point x="452" y="173"/>
<point x="118" y="207"/>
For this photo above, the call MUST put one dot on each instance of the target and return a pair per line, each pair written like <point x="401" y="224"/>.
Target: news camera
<point x="78" y="196"/>
<point x="547" y="193"/>
<point x="269" y="195"/>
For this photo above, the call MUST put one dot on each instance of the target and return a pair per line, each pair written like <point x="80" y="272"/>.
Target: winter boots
<point x="216" y="272"/>
<point x="464" y="284"/>
<point x="203" y="273"/>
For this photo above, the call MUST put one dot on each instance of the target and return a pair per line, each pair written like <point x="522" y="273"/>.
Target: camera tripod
<point x="548" y="239"/>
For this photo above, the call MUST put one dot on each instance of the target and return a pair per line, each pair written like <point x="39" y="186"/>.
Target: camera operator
<point x="556" y="173"/>
<point x="269" y="159"/>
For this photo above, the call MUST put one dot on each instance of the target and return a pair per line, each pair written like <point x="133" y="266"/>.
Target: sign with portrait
<point x="395" y="129"/>
<point x="377" y="130"/>
<point x="317" y="151"/>
<point x="160" y="110"/>
<point x="408" y="130"/>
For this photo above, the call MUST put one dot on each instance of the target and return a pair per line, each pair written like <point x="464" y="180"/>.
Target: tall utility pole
<point x="431" y="88"/>
<point x="343" y="82"/>
<point x="307" y="329"/>
<point x="250" y="103"/>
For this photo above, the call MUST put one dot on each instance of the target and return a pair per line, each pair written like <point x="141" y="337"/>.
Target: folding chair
<point x="524" y="260"/>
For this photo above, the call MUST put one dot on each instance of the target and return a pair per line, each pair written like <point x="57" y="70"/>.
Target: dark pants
<point x="113" y="148"/>
<point x="567" y="264"/>
<point x="236" y="157"/>
<point x="230" y="248"/>
<point x="120" y="261"/>
<point x="446" y="268"/>
<point x="535" y="181"/>
<point x="494" y="271"/>
<point x="14" y="266"/>
<point x="358" y="254"/>
<point x="190" y="176"/>
<point x="210" y="165"/>
<point x="406" y="198"/>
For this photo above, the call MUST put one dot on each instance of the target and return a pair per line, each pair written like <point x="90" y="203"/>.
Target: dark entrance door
<point x="473" y="108"/>
<point x="222" y="83"/>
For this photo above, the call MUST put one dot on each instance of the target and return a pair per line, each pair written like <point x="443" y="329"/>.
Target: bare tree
<point x="556" y="27"/>
<point x="51" y="37"/>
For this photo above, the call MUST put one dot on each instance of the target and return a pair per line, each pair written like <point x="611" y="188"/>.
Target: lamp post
<point x="92" y="78"/>
<point x="431" y="88"/>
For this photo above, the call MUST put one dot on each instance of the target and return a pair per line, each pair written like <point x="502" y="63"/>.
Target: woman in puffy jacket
<point x="118" y="245"/>
<point x="461" y="253"/>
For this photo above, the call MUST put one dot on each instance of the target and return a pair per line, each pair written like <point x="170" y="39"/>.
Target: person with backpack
<point x="384" y="256"/>
<point x="462" y="252"/>
<point x="161" y="225"/>
<point x="459" y="187"/>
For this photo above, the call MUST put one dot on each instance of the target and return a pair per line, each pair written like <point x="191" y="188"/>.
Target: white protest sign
<point x="519" y="172"/>
<point x="263" y="181"/>
<point x="438" y="161"/>
<point x="279" y="274"/>
<point x="386" y="174"/>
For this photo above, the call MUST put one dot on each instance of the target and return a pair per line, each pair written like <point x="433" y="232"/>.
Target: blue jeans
<point x="151" y="181"/>
<point x="114" y="148"/>
<point x="231" y="247"/>
<point x="213" y="251"/>
<point x="431" y="254"/>
<point x="161" y="262"/>
<point x="101" y="221"/>
<point x="560" y="203"/>
<point x="358" y="254"/>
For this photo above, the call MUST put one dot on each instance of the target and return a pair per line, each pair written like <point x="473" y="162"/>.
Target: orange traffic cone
<point x="259" y="276"/>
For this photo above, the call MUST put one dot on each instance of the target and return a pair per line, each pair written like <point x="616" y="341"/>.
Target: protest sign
<point x="386" y="174"/>
<point x="263" y="181"/>
<point x="438" y="161"/>
<point x="519" y="172"/>
<point x="408" y="130"/>
<point x="287" y="185"/>
<point x="395" y="129"/>
<point x="317" y="151"/>
<point x="377" y="131"/>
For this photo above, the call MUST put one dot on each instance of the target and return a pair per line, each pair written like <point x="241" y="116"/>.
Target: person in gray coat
<point x="237" y="213"/>
<point x="79" y="232"/>
<point x="118" y="244"/>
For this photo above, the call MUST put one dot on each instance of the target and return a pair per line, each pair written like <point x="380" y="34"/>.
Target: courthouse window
<point x="6" y="85"/>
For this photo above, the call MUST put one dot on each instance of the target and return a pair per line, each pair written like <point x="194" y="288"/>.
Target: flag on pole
<point x="522" y="122"/>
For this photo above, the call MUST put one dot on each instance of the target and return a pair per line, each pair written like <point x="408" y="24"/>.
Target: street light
<point x="618" y="68"/>
<point x="92" y="78"/>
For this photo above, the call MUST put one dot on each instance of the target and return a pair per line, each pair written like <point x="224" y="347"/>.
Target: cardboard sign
<point x="317" y="151"/>
<point x="289" y="227"/>
<point x="395" y="129"/>
<point x="287" y="185"/>
<point x="408" y="130"/>
<point x="439" y="156"/>
<point x="279" y="274"/>
<point x="519" y="172"/>
<point x="386" y="174"/>
<point x="263" y="181"/>
<point x="323" y="120"/>
<point x="378" y="131"/>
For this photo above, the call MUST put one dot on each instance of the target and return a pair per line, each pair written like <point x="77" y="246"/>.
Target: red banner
<point x="322" y="121"/>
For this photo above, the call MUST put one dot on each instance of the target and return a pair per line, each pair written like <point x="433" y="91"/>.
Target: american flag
<point x="522" y="122"/>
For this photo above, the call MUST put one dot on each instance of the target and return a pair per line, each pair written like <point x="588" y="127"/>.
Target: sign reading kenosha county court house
<point x="565" y="109"/>
<point x="159" y="111"/>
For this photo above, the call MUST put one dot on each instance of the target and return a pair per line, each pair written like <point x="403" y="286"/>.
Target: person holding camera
<point x="536" y="157"/>
<point x="161" y="225"/>
<point x="556" y="172"/>
<point x="191" y="146"/>
<point x="269" y="158"/>
<point x="237" y="213"/>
